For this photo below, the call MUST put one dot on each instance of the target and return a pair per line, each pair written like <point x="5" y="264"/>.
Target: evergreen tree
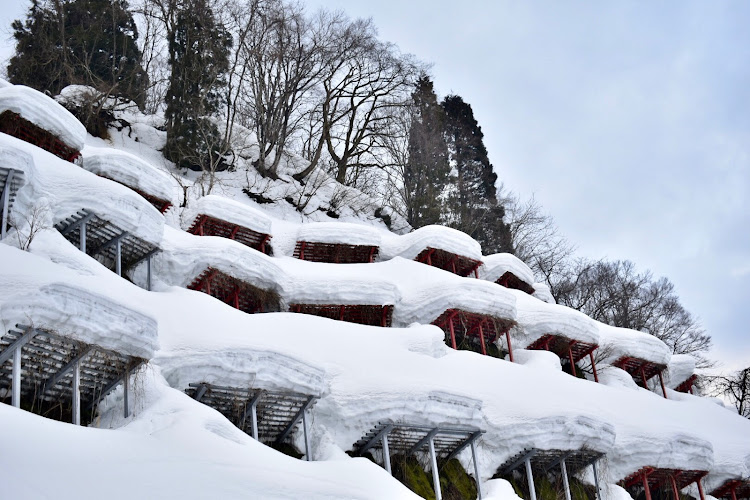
<point x="199" y="58"/>
<point x="427" y="169"/>
<point x="87" y="42"/>
<point x="472" y="202"/>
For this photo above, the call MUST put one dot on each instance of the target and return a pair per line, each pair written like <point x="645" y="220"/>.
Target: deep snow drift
<point x="173" y="446"/>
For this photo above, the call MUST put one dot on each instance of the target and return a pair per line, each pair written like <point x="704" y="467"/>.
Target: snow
<point x="230" y="211"/>
<point x="339" y="232"/>
<point x="364" y="375"/>
<point x="410" y="245"/>
<point x="543" y="293"/>
<point x="43" y="112"/>
<point x="498" y="264"/>
<point x="537" y="318"/>
<point x="680" y="368"/>
<point x="58" y="189"/>
<point x="129" y="170"/>
<point x="618" y="342"/>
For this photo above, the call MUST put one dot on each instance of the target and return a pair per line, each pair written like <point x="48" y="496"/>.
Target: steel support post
<point x="126" y="392"/>
<point x="530" y="479"/>
<point x="593" y="367"/>
<point x="453" y="332"/>
<point x="307" y="437"/>
<point x="572" y="363"/>
<point x="6" y="203"/>
<point x="118" y="257"/>
<point x="596" y="481"/>
<point x="476" y="468"/>
<point x="734" y="493"/>
<point x="510" y="347"/>
<point x="386" y="454"/>
<point x="148" y="273"/>
<point x="566" y="484"/>
<point x="700" y="489"/>
<point x="435" y="471"/>
<point x="82" y="241"/>
<point x="77" y="394"/>
<point x="646" y="488"/>
<point x="663" y="387"/>
<point x="254" y="418"/>
<point x="16" y="384"/>
<point x="675" y="491"/>
<point x="481" y="339"/>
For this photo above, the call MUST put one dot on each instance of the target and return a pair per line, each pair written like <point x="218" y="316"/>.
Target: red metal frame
<point x="17" y="126"/>
<point x="335" y="253"/>
<point x="360" y="314"/>
<point x="451" y="262"/>
<point x="687" y="385"/>
<point x="641" y="369"/>
<point x="510" y="280"/>
<point x="482" y="327"/>
<point x="573" y="350"/>
<point x="205" y="225"/>
<point x="675" y="479"/>
<point x="733" y="489"/>
<point x="232" y="291"/>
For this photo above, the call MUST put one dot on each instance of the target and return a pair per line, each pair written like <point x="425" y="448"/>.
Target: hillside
<point x="198" y="318"/>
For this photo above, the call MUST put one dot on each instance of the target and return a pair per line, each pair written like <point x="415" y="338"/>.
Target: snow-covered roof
<point x="230" y="211"/>
<point x="620" y="342"/>
<point x="543" y="293"/>
<point x="410" y="245"/>
<point x="339" y="233"/>
<point x="129" y="170"/>
<point x="242" y="368"/>
<point x="430" y="294"/>
<point x="62" y="189"/>
<point x="537" y="318"/>
<point x="556" y="432"/>
<point x="671" y="450"/>
<point x="680" y="368"/>
<point x="498" y="264"/>
<point x="184" y="257"/>
<point x="43" y="112"/>
<point x="85" y="316"/>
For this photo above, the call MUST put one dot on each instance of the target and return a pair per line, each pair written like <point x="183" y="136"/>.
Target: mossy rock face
<point x="455" y="483"/>
<point x="409" y="471"/>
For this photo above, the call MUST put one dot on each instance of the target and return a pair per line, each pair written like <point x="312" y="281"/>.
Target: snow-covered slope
<point x="172" y="446"/>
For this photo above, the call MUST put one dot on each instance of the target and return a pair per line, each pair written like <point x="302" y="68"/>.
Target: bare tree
<point x="735" y="387"/>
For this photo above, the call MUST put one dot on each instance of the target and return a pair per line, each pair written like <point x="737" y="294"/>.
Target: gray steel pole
<point x="126" y="412"/>
<point x="476" y="468"/>
<point x="530" y="479"/>
<point x="254" y="419"/>
<point x="6" y="200"/>
<point x="435" y="472"/>
<point x="387" y="454"/>
<point x="77" y="394"/>
<point x="118" y="257"/>
<point x="566" y="484"/>
<point x="307" y="438"/>
<point x="16" y="383"/>
<point x="148" y="273"/>
<point x="596" y="482"/>
<point x="82" y="242"/>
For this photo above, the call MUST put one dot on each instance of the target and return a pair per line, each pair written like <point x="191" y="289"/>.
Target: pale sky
<point x="628" y="121"/>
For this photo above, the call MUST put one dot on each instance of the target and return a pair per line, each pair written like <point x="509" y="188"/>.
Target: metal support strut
<point x="435" y="472"/>
<point x="386" y="454"/>
<point x="566" y="484"/>
<point x="6" y="203"/>
<point x="530" y="479"/>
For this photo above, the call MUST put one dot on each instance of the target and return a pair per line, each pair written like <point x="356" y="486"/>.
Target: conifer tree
<point x="199" y="59"/>
<point x="427" y="169"/>
<point x="472" y="203"/>
<point x="87" y="42"/>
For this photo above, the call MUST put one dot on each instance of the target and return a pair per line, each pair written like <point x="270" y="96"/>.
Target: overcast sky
<point x="628" y="121"/>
